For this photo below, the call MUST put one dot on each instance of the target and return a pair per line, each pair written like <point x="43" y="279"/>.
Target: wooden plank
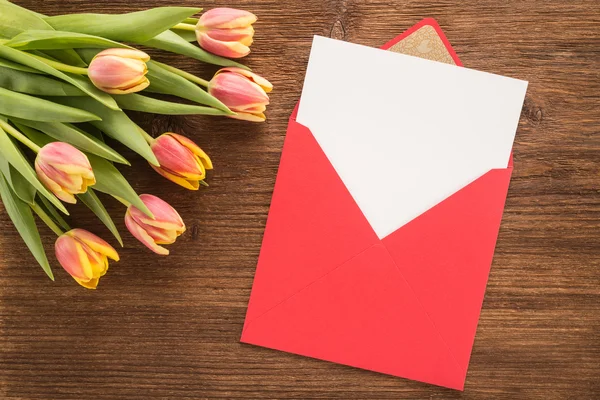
<point x="169" y="327"/>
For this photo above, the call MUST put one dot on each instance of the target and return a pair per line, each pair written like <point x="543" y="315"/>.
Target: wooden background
<point x="168" y="328"/>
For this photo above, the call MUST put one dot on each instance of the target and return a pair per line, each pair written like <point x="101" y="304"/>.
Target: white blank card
<point x="404" y="133"/>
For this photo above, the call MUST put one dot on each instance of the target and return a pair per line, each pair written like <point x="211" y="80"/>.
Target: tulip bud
<point x="226" y="32"/>
<point x="244" y="92"/>
<point x="64" y="170"/>
<point x="119" y="71"/>
<point x="181" y="160"/>
<point x="84" y="256"/>
<point x="166" y="226"/>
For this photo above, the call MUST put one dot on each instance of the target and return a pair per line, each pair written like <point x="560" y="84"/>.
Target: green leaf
<point x="22" y="217"/>
<point x="51" y="40"/>
<point x="137" y="102"/>
<point x="75" y="136"/>
<point x="82" y="83"/>
<point x="55" y="215"/>
<point x="167" y="82"/>
<point x="92" y="130"/>
<point x="35" y="136"/>
<point x="35" y="84"/>
<point x="22" y="188"/>
<point x="110" y="181"/>
<point x="115" y="124"/>
<point x="132" y="27"/>
<point x="170" y="41"/>
<point x="18" y="67"/>
<point x="15" y="19"/>
<point x="20" y="163"/>
<point x="21" y="105"/>
<point x="186" y="35"/>
<point x="66" y="56"/>
<point x="91" y="200"/>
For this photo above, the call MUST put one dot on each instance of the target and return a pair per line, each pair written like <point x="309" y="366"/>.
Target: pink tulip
<point x="166" y="226"/>
<point x="64" y="170"/>
<point x="242" y="91"/>
<point x="84" y="256"/>
<point x="119" y="71"/>
<point x="181" y="160"/>
<point x="226" y="32"/>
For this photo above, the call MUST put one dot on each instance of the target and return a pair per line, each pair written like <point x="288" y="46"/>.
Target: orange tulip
<point x="244" y="92"/>
<point x="226" y="32"/>
<point x="181" y="160"/>
<point x="84" y="256"/>
<point x="166" y="226"/>
<point x="64" y="170"/>
<point x="119" y="71"/>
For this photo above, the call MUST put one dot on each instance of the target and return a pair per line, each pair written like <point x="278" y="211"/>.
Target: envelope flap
<point x="446" y="254"/>
<point x="314" y="225"/>
<point x="365" y="315"/>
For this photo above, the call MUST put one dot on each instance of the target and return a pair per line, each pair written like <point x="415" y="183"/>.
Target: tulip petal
<point x="73" y="258"/>
<point x="116" y="72"/>
<point x="162" y="236"/>
<point x="253" y="108"/>
<point x="140" y="234"/>
<point x="61" y="153"/>
<point x="236" y="91"/>
<point x="137" y="88"/>
<point x="221" y="48"/>
<point x="54" y="187"/>
<point x="125" y="53"/>
<point x="249" y="117"/>
<point x="88" y="284"/>
<point x="97" y="261"/>
<point x="172" y="156"/>
<point x="242" y="35"/>
<point x="165" y="216"/>
<point x="259" y="80"/>
<point x="226" y="18"/>
<point x="94" y="242"/>
<point x="191" y="185"/>
<point x="194" y="148"/>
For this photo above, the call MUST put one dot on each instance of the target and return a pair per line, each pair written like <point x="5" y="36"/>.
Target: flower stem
<point x="60" y="66"/>
<point x="19" y="136"/>
<point x="46" y="218"/>
<point x="185" y="27"/>
<point x="183" y="74"/>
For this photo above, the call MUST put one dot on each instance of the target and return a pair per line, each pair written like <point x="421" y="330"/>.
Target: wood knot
<point x="533" y="112"/>
<point x="195" y="232"/>
<point x="337" y="31"/>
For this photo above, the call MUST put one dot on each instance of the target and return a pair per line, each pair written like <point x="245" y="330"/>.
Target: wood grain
<point x="168" y="328"/>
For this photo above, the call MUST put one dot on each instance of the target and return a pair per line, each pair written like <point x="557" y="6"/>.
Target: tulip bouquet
<point x="65" y="84"/>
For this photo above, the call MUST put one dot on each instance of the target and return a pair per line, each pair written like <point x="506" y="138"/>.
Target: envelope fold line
<point x="437" y="330"/>
<point x="308" y="285"/>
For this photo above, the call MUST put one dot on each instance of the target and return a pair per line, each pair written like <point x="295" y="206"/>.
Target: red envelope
<point x="327" y="287"/>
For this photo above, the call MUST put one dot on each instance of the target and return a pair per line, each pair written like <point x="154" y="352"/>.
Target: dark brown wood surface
<point x="169" y="328"/>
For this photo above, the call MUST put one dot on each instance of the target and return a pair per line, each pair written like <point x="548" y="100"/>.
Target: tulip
<point x="84" y="256"/>
<point x="226" y="32"/>
<point x="181" y="160"/>
<point x="244" y="92"/>
<point x="64" y="170"/>
<point x="119" y="71"/>
<point x="166" y="226"/>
